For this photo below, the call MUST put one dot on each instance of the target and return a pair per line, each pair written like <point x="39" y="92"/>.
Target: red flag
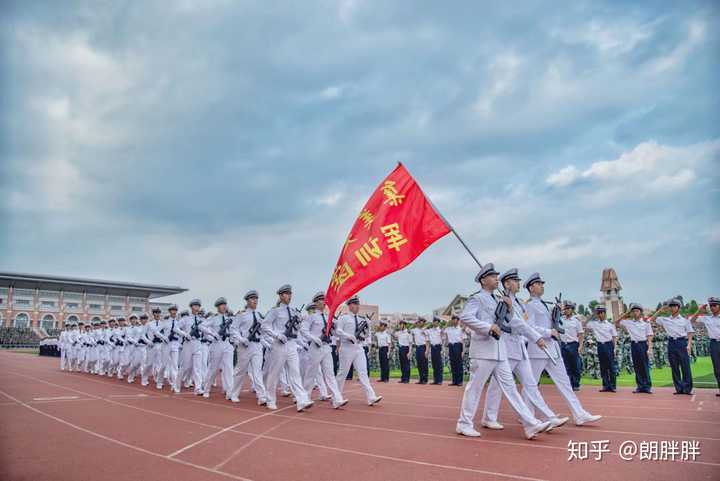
<point x="396" y="225"/>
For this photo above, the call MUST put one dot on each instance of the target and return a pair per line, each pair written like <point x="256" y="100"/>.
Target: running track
<point x="70" y="426"/>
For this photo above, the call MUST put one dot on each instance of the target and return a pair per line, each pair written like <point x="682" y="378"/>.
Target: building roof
<point x="92" y="286"/>
<point x="609" y="280"/>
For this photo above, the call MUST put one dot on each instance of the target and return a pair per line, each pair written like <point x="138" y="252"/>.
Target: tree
<point x="581" y="309"/>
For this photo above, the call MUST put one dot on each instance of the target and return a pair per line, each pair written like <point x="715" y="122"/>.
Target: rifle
<point x="291" y="326"/>
<point x="224" y="328"/>
<point x="502" y="316"/>
<point x="254" y="331"/>
<point x="195" y="329"/>
<point x="556" y="316"/>
<point x="361" y="330"/>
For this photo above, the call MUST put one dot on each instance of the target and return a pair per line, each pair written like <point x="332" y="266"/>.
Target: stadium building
<point x="48" y="302"/>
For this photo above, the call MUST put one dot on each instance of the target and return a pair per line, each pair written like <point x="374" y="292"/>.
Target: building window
<point x="95" y="319"/>
<point x="72" y="305"/>
<point x="21" y="302"/>
<point x="95" y="306"/>
<point x="47" y="303"/>
<point x="22" y="321"/>
<point x="48" y="322"/>
<point x="137" y="309"/>
<point x="73" y="319"/>
<point x="116" y="308"/>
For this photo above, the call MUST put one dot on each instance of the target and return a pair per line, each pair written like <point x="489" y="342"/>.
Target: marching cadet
<point x="571" y="342"/>
<point x="136" y="337"/>
<point x="217" y="328"/>
<point x="113" y="353"/>
<point x="488" y="357"/>
<point x="124" y="354"/>
<point x="421" y="354"/>
<point x="314" y="330"/>
<point x="94" y="350"/>
<point x="455" y="336"/>
<point x="539" y="318"/>
<point x="185" y="370"/>
<point x="88" y="343"/>
<point x="154" y="359"/>
<point x="192" y="367"/>
<point x="641" y="337"/>
<point x="63" y="344"/>
<point x="434" y="334"/>
<point x="246" y="334"/>
<point x="712" y="325"/>
<point x="104" y="352"/>
<point x="679" y="333"/>
<point x="282" y="324"/>
<point x="383" y="341"/>
<point x="80" y="350"/>
<point x="404" y="339"/>
<point x="353" y="331"/>
<point x="606" y="337"/>
<point x="72" y="340"/>
<point x="174" y="334"/>
<point x="518" y="361"/>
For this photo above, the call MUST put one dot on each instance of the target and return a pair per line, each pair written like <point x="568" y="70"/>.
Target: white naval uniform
<point x="186" y="353"/>
<point x="488" y="357"/>
<point x="193" y="349"/>
<point x="124" y="355"/>
<point x="62" y="343"/>
<point x="154" y="358"/>
<point x="283" y="355"/>
<point x="72" y="340"/>
<point x="246" y="334"/>
<point x="520" y="364"/>
<point x="352" y="354"/>
<point x="171" y="329"/>
<point x="539" y="318"/>
<point x="140" y="343"/>
<point x="320" y="360"/>
<point x="221" y="351"/>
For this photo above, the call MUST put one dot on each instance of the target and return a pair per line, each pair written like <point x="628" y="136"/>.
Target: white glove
<point x="282" y="338"/>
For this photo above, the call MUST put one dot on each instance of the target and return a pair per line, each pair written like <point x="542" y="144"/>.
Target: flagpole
<point x="452" y="229"/>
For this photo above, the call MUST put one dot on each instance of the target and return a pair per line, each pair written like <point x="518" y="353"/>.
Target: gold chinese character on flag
<point x="391" y="194"/>
<point x="393" y="236"/>
<point x="368" y="251"/>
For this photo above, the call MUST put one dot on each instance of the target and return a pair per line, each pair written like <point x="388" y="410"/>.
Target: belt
<point x="637" y="342"/>
<point x="205" y="341"/>
<point x="676" y="338"/>
<point x="157" y="341"/>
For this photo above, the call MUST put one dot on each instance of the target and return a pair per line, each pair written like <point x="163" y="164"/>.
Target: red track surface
<point x="105" y="429"/>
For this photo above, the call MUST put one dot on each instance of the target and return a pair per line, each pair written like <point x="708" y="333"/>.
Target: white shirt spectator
<point x="638" y="330"/>
<point x="603" y="331"/>
<point x="573" y="327"/>
<point x="675" y="326"/>
<point x="383" y="339"/>
<point x="435" y="335"/>
<point x="712" y="324"/>
<point x="455" y="334"/>
<point x="404" y="338"/>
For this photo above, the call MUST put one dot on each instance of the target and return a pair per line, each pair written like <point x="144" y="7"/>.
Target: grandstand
<point x="18" y="337"/>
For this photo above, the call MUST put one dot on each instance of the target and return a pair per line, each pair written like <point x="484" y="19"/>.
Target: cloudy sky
<point x="228" y="145"/>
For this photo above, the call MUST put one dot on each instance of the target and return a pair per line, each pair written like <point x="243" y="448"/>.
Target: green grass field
<point x="702" y="371"/>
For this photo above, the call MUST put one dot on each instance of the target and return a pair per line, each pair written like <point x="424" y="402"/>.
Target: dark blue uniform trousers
<point x="680" y="365"/>
<point x="573" y="364"/>
<point x="606" y="355"/>
<point x="641" y="364"/>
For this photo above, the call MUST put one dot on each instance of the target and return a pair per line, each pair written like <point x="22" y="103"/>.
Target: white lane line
<point x="402" y="460"/>
<point x="224" y="430"/>
<point x="131" y="396"/>
<point x="56" y="398"/>
<point x="126" y="445"/>
<point x="251" y="442"/>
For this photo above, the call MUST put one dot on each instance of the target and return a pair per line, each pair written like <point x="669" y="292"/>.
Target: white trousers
<point x="154" y="362"/>
<point x="221" y="358"/>
<point x="480" y="371"/>
<point x="172" y="363"/>
<point x="530" y="389"/>
<point x="354" y="355"/>
<point x="137" y="359"/>
<point x="284" y="356"/>
<point x="186" y="362"/>
<point x="562" y="382"/>
<point x="319" y="364"/>
<point x="191" y="363"/>
<point x="63" y="357"/>
<point x="249" y="362"/>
